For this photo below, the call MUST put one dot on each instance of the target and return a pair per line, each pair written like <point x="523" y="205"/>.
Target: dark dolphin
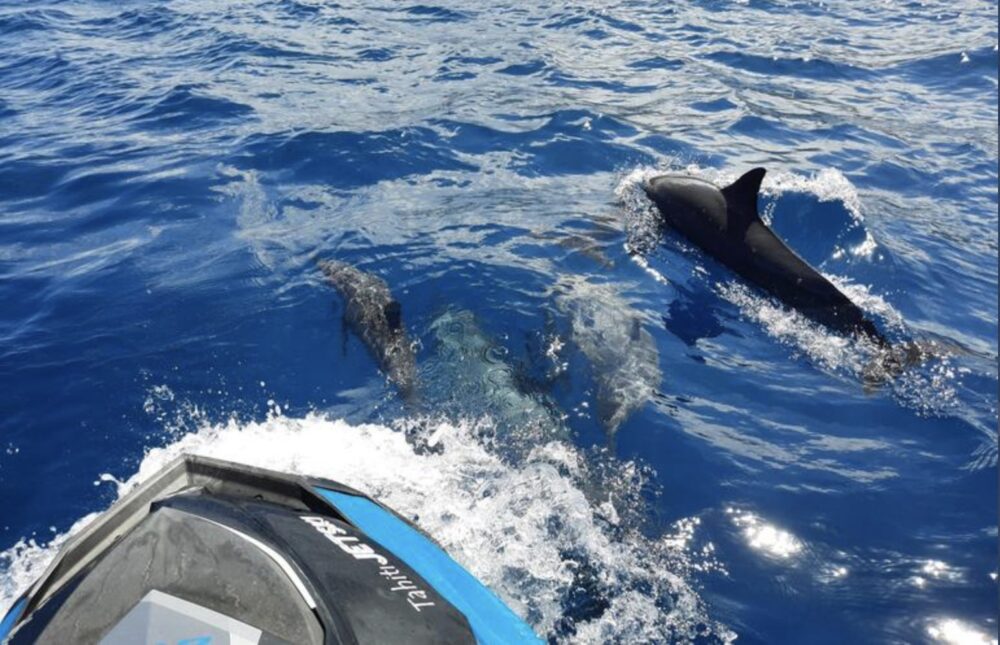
<point x="725" y="224"/>
<point x="375" y="316"/>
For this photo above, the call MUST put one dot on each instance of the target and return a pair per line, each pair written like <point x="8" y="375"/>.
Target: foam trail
<point x="642" y="226"/>
<point x="929" y="388"/>
<point x="528" y="531"/>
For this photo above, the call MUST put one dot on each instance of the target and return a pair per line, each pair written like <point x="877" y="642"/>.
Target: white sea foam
<point x="928" y="386"/>
<point x="644" y="263"/>
<point x="529" y="531"/>
<point x="23" y="563"/>
<point x="641" y="223"/>
<point x="830" y="351"/>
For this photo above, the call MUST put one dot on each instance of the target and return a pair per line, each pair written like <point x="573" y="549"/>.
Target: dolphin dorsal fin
<point x="741" y="195"/>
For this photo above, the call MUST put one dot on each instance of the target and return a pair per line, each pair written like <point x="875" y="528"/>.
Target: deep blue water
<point x="170" y="172"/>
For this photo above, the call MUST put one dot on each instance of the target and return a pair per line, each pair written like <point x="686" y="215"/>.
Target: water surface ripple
<point x="170" y="172"/>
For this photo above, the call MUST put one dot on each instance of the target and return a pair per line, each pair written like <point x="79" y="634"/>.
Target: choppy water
<point x="171" y="172"/>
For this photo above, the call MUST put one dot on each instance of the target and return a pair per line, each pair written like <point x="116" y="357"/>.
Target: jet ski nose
<point x="235" y="554"/>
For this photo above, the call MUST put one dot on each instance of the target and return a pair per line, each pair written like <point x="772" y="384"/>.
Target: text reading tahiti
<point x="398" y="581"/>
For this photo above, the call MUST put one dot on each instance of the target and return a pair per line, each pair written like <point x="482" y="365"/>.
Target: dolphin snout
<point x="685" y="192"/>
<point x="656" y="187"/>
<point x="655" y="184"/>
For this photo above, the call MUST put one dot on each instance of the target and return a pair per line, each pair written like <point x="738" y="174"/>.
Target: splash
<point x="26" y="560"/>
<point x="928" y="388"/>
<point x="929" y="382"/>
<point x="644" y="264"/>
<point x="534" y="532"/>
<point x="642" y="225"/>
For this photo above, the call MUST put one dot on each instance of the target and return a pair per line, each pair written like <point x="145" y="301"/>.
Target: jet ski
<point x="211" y="553"/>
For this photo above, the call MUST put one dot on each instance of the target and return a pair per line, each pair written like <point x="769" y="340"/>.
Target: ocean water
<point x="171" y="172"/>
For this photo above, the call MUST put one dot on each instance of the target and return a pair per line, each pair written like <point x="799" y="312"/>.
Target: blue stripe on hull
<point x="491" y="620"/>
<point x="12" y="615"/>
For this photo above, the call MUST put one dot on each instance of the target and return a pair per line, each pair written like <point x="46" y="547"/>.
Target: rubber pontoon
<point x="209" y="553"/>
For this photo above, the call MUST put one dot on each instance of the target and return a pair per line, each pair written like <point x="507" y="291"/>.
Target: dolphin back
<point x="773" y="266"/>
<point x="371" y="312"/>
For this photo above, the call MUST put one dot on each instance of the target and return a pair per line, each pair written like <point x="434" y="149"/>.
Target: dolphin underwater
<point x="622" y="354"/>
<point x="725" y="224"/>
<point x="471" y="367"/>
<point x="375" y="316"/>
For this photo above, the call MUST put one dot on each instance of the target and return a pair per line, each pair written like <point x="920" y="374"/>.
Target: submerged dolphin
<point x="725" y="224"/>
<point x="374" y="315"/>
<point x="622" y="354"/>
<point x="479" y="381"/>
